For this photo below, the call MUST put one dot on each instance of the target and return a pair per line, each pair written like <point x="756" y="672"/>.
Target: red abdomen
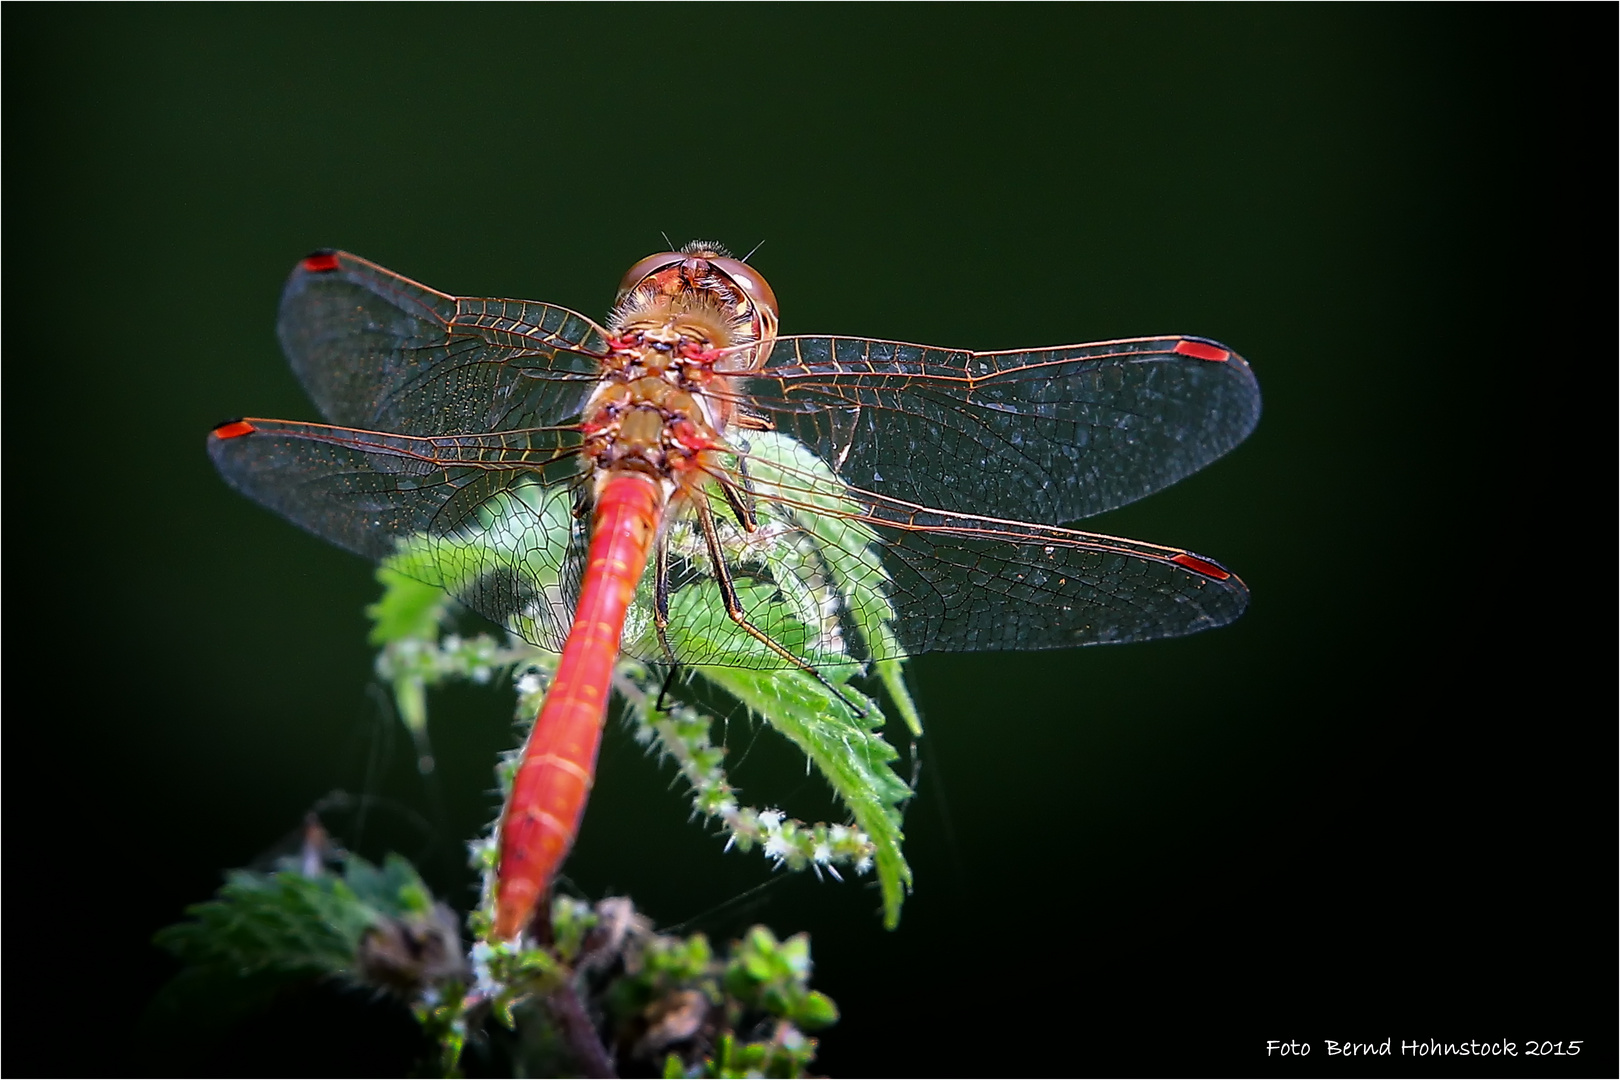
<point x="559" y="761"/>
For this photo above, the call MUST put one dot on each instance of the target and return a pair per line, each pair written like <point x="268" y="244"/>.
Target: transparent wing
<point x="380" y="351"/>
<point x="1044" y="435"/>
<point x="489" y="518"/>
<point x="840" y="575"/>
<point x="833" y="574"/>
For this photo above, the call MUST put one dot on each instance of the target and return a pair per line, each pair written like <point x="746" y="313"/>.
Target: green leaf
<point x="816" y="1011"/>
<point x="892" y="674"/>
<point x="817" y="501"/>
<point x="525" y="529"/>
<point x="289" y="923"/>
<point x="283" y="921"/>
<point x="409" y="609"/>
<point x="396" y="889"/>
<point x="571" y="920"/>
<point x="774" y="976"/>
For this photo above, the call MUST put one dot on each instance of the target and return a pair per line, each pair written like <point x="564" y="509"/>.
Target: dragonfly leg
<point x="661" y="620"/>
<point x="728" y="594"/>
<point x="747" y="480"/>
<point x="661" y="605"/>
<point x="580" y="505"/>
<point x="750" y="422"/>
<point x="663" y="691"/>
<point x="741" y="501"/>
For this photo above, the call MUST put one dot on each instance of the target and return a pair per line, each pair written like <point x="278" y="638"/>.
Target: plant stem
<point x="578" y="1033"/>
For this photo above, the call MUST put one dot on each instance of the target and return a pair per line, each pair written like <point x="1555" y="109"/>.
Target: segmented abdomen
<point x="558" y="765"/>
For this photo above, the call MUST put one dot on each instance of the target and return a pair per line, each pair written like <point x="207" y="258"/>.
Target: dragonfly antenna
<point x="753" y="249"/>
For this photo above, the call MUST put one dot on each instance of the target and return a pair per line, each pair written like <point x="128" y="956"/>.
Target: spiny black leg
<point x="581" y="507"/>
<point x="741" y="503"/>
<point x="661" y="601"/>
<point x="747" y="516"/>
<point x="669" y="681"/>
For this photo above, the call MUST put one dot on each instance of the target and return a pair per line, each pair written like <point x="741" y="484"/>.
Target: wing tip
<point x="1204" y="567"/>
<point x="321" y="261"/>
<point x="1200" y="348"/>
<point x="232" y="429"/>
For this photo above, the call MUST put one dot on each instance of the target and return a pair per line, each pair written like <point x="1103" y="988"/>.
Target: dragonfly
<point x="687" y="486"/>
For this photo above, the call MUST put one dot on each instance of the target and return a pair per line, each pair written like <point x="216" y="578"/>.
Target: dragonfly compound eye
<point x="752" y="282"/>
<point x="645" y="269"/>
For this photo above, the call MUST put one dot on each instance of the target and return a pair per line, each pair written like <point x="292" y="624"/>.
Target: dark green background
<point x="1379" y="806"/>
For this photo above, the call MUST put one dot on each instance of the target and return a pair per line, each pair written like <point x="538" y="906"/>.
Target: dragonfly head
<point x="725" y="298"/>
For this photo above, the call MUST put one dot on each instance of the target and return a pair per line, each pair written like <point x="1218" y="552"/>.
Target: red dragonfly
<point x="806" y="501"/>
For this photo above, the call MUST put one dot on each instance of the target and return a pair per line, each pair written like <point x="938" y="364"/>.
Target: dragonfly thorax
<point x="679" y="352"/>
<point x="650" y="425"/>
<point x="662" y="407"/>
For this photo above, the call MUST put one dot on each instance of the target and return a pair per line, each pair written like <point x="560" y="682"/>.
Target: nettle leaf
<point x="395" y="889"/>
<point x="813" y="497"/>
<point x="409" y="609"/>
<point x="377" y="927"/>
<point x="274" y="922"/>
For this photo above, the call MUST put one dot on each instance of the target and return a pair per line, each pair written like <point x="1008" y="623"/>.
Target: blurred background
<point x="1381" y="805"/>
